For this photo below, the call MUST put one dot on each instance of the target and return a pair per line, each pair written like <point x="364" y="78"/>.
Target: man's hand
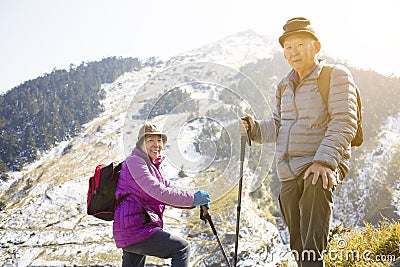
<point x="326" y="174"/>
<point x="243" y="125"/>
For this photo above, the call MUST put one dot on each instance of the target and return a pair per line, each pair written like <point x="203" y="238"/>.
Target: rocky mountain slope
<point x="44" y="221"/>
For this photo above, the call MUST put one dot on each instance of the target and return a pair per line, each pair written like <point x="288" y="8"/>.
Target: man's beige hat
<point x="297" y="25"/>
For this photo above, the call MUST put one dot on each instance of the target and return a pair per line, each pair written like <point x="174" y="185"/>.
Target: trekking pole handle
<point x="246" y="119"/>
<point x="205" y="210"/>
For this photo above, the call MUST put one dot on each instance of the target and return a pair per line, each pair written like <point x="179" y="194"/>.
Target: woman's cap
<point x="297" y="25"/>
<point x="150" y="129"/>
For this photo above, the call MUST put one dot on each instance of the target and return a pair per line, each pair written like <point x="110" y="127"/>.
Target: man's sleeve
<point x="342" y="126"/>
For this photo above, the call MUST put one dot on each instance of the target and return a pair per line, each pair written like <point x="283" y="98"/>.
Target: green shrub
<point x="369" y="246"/>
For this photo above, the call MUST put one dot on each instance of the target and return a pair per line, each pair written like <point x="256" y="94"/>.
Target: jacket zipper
<point x="290" y="128"/>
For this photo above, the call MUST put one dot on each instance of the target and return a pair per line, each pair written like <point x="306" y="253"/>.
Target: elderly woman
<point x="138" y="220"/>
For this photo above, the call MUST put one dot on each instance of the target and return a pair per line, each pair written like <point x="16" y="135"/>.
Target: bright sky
<point x="37" y="36"/>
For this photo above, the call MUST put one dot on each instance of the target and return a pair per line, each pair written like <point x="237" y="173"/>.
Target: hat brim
<point x="163" y="136"/>
<point x="286" y="34"/>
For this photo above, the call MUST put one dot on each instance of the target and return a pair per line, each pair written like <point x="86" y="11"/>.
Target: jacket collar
<point x="138" y="152"/>
<point x="292" y="77"/>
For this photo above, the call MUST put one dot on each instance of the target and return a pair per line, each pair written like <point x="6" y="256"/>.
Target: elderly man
<point x="312" y="140"/>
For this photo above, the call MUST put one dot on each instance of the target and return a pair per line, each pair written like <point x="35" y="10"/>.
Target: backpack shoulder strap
<point x="324" y="81"/>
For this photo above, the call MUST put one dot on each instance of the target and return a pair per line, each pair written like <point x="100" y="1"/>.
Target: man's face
<point x="300" y="51"/>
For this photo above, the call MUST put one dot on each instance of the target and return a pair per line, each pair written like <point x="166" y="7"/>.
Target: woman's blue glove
<point x="201" y="198"/>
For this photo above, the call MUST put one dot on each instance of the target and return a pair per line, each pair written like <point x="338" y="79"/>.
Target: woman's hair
<point x="140" y="145"/>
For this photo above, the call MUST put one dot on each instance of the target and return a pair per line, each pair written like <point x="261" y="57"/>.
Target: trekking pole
<point x="242" y="154"/>
<point x="205" y="216"/>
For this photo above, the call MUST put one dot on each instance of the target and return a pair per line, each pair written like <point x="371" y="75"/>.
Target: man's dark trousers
<point x="307" y="211"/>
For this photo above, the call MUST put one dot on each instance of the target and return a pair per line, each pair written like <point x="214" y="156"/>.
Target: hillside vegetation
<point x="43" y="208"/>
<point x="369" y="246"/>
<point x="39" y="113"/>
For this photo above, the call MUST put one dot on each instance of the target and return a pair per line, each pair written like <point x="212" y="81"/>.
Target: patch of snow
<point x="371" y="173"/>
<point x="46" y="224"/>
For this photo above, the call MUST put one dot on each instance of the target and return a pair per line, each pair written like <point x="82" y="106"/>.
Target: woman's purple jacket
<point x="141" y="213"/>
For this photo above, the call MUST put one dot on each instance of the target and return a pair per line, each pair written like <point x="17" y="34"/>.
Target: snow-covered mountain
<point x="44" y="221"/>
<point x="359" y="198"/>
<point x="233" y="51"/>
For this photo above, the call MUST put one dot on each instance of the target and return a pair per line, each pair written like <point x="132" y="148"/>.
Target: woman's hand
<point x="201" y="198"/>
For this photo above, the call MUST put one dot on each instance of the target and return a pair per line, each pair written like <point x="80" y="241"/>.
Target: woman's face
<point x="153" y="145"/>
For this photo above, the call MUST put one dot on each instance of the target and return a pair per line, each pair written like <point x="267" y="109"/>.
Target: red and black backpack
<point x="101" y="201"/>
